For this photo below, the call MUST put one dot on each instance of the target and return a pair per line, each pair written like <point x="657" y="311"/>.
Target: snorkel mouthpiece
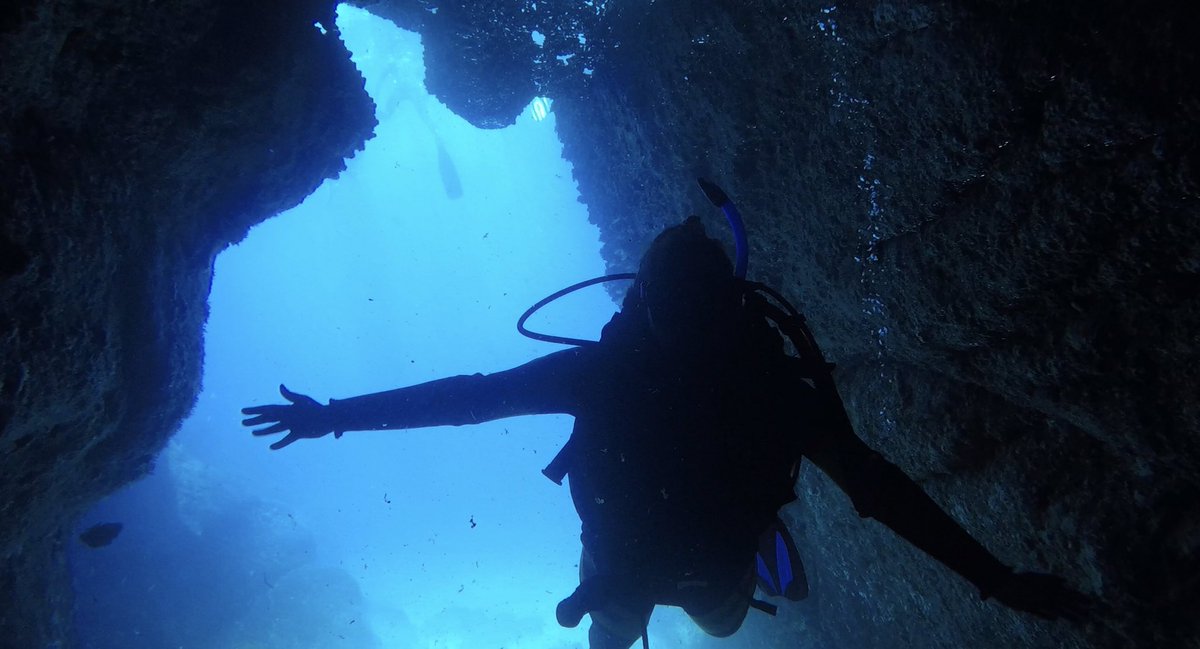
<point x="719" y="198"/>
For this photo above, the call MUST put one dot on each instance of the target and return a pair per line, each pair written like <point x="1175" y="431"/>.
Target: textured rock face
<point x="136" y="142"/>
<point x="986" y="209"/>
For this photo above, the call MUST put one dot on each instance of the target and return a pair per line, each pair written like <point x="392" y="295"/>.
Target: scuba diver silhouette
<point x="690" y="424"/>
<point x="401" y="84"/>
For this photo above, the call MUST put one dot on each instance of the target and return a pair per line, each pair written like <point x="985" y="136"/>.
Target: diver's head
<point x="686" y="287"/>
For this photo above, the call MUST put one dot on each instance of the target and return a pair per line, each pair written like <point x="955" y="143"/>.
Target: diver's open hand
<point x="1045" y="596"/>
<point x="304" y="418"/>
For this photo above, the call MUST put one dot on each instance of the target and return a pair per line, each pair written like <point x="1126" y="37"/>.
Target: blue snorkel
<point x="717" y="197"/>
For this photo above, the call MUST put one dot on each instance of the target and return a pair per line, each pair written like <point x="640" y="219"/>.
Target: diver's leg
<point x="600" y="636"/>
<point x="721" y="611"/>
<point x="618" y="626"/>
<point x="615" y="624"/>
<point x="591" y="594"/>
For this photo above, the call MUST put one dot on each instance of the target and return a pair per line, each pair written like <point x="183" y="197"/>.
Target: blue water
<point x="384" y="277"/>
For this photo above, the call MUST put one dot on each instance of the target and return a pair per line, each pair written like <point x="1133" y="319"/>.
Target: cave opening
<point x="412" y="265"/>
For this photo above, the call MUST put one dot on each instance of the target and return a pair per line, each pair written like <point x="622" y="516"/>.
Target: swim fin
<point x="778" y="568"/>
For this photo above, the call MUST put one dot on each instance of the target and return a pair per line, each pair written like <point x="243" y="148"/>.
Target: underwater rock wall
<point x="988" y="211"/>
<point x="136" y="141"/>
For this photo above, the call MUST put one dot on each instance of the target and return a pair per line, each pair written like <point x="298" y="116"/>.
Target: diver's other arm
<point x="880" y="490"/>
<point x="544" y="385"/>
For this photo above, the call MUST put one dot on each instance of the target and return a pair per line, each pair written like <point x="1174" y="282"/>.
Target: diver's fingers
<point x="271" y="430"/>
<point x="262" y="418"/>
<point x="1053" y="599"/>
<point x="291" y="437"/>
<point x="1075" y="607"/>
<point x="258" y="419"/>
<point x="258" y="410"/>
<point x="1062" y="601"/>
<point x="296" y="397"/>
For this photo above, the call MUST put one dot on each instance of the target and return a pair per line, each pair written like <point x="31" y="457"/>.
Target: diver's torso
<point x="675" y="470"/>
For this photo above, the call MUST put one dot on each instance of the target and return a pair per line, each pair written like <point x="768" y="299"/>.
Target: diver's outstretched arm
<point x="880" y="490"/>
<point x="542" y="386"/>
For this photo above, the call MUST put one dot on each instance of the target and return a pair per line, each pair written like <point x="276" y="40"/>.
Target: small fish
<point x="98" y="536"/>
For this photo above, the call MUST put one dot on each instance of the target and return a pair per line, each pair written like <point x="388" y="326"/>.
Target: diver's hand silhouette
<point x="304" y="418"/>
<point x="1046" y="596"/>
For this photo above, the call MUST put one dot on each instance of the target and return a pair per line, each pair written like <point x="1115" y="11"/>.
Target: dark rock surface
<point x="137" y="140"/>
<point x="988" y="210"/>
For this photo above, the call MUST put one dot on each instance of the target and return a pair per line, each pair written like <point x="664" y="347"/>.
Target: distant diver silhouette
<point x="691" y="422"/>
<point x="397" y="88"/>
<point x="447" y="171"/>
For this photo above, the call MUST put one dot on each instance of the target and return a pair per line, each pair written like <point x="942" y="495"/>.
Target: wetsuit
<point x="675" y="471"/>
